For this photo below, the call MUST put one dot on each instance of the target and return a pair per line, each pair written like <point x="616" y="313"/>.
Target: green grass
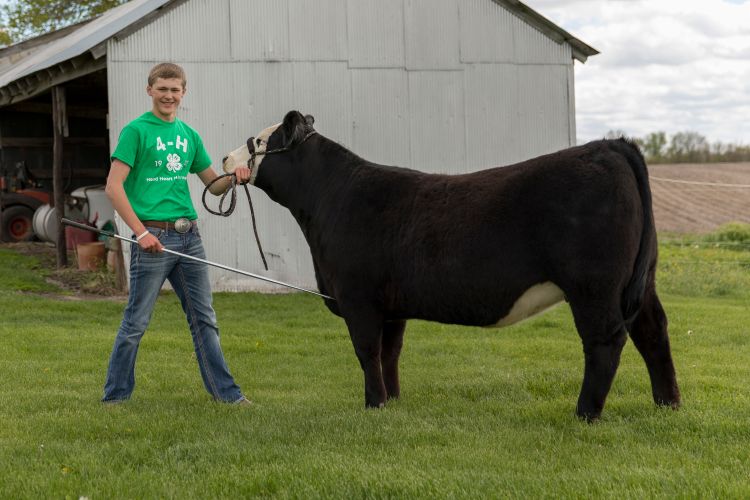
<point x="22" y="274"/>
<point x="712" y="265"/>
<point x="484" y="413"/>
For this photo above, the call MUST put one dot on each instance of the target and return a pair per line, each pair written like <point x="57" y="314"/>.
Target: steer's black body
<point x="390" y="244"/>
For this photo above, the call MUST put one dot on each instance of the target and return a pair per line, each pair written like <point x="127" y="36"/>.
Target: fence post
<point x="59" y="130"/>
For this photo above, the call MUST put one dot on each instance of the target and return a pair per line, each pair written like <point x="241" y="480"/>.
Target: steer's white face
<point x="241" y="155"/>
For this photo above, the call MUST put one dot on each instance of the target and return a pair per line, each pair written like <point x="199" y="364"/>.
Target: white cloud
<point x="669" y="65"/>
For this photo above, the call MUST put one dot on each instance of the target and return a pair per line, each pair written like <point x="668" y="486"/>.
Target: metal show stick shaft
<point x="69" y="222"/>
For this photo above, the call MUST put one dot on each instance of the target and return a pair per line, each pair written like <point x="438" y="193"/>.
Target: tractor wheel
<point x="17" y="223"/>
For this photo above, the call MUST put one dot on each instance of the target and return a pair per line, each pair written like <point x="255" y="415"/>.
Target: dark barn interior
<point x="27" y="153"/>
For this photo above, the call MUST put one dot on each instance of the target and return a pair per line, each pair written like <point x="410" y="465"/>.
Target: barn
<point x="445" y="86"/>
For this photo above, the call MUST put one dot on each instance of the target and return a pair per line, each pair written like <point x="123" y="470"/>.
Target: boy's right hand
<point x="151" y="244"/>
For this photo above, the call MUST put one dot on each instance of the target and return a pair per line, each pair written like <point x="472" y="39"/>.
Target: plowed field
<point x="697" y="198"/>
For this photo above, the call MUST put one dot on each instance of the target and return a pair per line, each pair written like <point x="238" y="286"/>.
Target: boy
<point x="148" y="187"/>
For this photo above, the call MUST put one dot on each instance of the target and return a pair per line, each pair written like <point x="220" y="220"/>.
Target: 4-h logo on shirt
<point x="173" y="162"/>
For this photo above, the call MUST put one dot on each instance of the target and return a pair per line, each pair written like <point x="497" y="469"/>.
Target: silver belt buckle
<point x="182" y="225"/>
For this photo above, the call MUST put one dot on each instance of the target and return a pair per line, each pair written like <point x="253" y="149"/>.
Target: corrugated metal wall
<point x="438" y="85"/>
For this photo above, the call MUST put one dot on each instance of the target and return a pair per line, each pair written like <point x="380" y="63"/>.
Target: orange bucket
<point x="75" y="237"/>
<point x="90" y="255"/>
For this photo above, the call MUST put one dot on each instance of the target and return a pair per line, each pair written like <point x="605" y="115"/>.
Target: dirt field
<point x="704" y="197"/>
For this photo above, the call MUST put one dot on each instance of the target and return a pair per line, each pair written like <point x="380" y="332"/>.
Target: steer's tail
<point x="632" y="295"/>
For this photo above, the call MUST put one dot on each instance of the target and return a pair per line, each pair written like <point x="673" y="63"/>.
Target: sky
<point x="664" y="65"/>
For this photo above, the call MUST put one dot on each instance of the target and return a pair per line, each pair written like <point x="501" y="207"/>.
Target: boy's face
<point x="166" y="94"/>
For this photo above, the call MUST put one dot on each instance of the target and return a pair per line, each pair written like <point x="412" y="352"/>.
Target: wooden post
<point x="59" y="130"/>
<point x="118" y="266"/>
<point x="3" y="187"/>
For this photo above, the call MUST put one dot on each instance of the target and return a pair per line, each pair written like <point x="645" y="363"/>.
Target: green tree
<point x="26" y="19"/>
<point x="688" y="147"/>
<point x="654" y="146"/>
<point x="5" y="38"/>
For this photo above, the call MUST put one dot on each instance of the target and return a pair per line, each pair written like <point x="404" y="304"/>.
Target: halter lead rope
<point x="232" y="205"/>
<point x="233" y="190"/>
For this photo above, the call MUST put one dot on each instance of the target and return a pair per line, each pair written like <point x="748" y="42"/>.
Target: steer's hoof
<point x="675" y="405"/>
<point x="589" y="416"/>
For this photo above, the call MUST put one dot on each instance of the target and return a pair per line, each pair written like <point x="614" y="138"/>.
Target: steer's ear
<point x="292" y="118"/>
<point x="293" y="128"/>
<point x="309" y="120"/>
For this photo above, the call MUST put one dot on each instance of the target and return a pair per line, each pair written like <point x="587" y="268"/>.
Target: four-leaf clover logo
<point x="173" y="162"/>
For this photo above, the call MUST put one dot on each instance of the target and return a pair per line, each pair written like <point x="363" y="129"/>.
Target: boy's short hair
<point x="166" y="70"/>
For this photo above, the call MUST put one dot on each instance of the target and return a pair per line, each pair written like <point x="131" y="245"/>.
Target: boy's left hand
<point x="243" y="174"/>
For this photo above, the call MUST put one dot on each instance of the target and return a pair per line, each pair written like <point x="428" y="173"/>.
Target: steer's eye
<point x="258" y="141"/>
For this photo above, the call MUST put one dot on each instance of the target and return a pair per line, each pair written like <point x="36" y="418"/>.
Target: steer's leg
<point x="603" y="337"/>
<point x="366" y="332"/>
<point x="649" y="334"/>
<point x="393" y="340"/>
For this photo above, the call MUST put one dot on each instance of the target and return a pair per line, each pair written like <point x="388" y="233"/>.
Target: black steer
<point x="486" y="248"/>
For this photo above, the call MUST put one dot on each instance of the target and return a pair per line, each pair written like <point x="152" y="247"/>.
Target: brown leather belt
<point x="166" y="225"/>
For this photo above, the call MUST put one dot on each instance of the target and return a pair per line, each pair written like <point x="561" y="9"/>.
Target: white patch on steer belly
<point x="241" y="155"/>
<point x="535" y="300"/>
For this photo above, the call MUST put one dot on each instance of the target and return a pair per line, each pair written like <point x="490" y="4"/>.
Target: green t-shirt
<point x="160" y="155"/>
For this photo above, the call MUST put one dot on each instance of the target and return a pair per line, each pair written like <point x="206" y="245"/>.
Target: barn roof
<point x="31" y="67"/>
<point x="581" y="50"/>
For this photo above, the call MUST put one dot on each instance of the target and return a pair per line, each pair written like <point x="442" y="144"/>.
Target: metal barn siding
<point x="492" y="115"/>
<point x="437" y="129"/>
<point x="153" y="42"/>
<point x="323" y="89"/>
<point x="571" y="106"/>
<point x="431" y="34"/>
<point x="251" y="108"/>
<point x="200" y="31"/>
<point x="317" y="30"/>
<point x="380" y="112"/>
<point x="543" y="98"/>
<point x="533" y="47"/>
<point x="126" y="84"/>
<point x="265" y="41"/>
<point x="444" y="86"/>
<point x="376" y="33"/>
<point x="486" y="32"/>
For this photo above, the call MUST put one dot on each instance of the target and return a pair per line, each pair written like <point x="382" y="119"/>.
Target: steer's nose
<point x="224" y="160"/>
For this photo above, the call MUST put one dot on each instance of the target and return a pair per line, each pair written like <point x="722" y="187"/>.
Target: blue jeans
<point x="189" y="278"/>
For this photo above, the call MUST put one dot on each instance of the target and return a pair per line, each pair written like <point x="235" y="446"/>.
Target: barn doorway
<point x="26" y="150"/>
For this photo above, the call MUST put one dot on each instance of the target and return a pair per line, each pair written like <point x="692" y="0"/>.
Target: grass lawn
<point x="484" y="413"/>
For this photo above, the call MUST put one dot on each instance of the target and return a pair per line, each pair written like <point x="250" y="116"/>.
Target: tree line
<point x="24" y="19"/>
<point x="685" y="147"/>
